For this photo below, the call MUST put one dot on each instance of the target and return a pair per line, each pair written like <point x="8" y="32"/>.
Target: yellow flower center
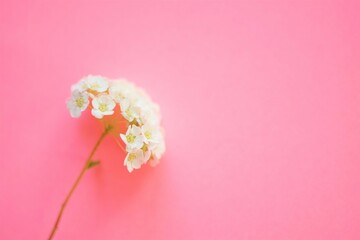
<point x="148" y="134"/>
<point x="129" y="112"/>
<point x="118" y="96"/>
<point x="103" y="107"/>
<point x="94" y="86"/>
<point x="79" y="102"/>
<point x="130" y="138"/>
<point x="131" y="157"/>
<point x="145" y="148"/>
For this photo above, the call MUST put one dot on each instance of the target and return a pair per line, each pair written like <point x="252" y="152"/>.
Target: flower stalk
<point x="74" y="186"/>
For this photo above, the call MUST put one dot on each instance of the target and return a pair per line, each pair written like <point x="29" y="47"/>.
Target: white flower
<point x="116" y="92"/>
<point x="133" y="138"/>
<point x="77" y="103"/>
<point x="96" y="83"/>
<point x="129" y="111"/>
<point x="81" y="86"/>
<point x="120" y="90"/>
<point x="151" y="134"/>
<point x="134" y="160"/>
<point x="148" y="111"/>
<point x="103" y="105"/>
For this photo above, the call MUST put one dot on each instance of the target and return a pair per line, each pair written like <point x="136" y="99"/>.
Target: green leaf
<point x="93" y="164"/>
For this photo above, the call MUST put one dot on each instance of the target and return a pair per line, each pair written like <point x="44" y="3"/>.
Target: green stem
<point x="83" y="170"/>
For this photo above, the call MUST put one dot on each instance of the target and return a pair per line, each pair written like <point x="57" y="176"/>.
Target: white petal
<point x="75" y="93"/>
<point x="111" y="104"/>
<point x="137" y="144"/>
<point x="96" y="113"/>
<point x="70" y="103"/>
<point x="97" y="83"/>
<point x="127" y="117"/>
<point x="131" y="147"/>
<point x="103" y="87"/>
<point x="136" y="130"/>
<point x="105" y="98"/>
<point x="129" y="129"/>
<point x="80" y="86"/>
<point x="95" y="103"/>
<point x="75" y="112"/>
<point x="136" y="163"/>
<point x="147" y="155"/>
<point x="86" y="102"/>
<point x="124" y="104"/>
<point x="123" y="137"/>
<point x="107" y="113"/>
<point x="129" y="167"/>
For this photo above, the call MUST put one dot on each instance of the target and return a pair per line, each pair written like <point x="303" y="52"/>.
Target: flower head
<point x="120" y="90"/>
<point x="102" y="105"/>
<point x="133" y="138"/>
<point x="134" y="160"/>
<point x="129" y="111"/>
<point x="77" y="103"/>
<point x="81" y="86"/>
<point x="144" y="138"/>
<point x="96" y="83"/>
<point x="151" y="134"/>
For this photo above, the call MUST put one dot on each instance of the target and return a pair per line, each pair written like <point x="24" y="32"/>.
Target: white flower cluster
<point x="144" y="137"/>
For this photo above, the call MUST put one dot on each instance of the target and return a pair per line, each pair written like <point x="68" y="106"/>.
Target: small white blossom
<point x="133" y="138"/>
<point x="148" y="112"/>
<point x="81" y="86"/>
<point x="134" y="160"/>
<point x="77" y="103"/>
<point x="120" y="90"/>
<point x="102" y="105"/>
<point x="151" y="134"/>
<point x="129" y="111"/>
<point x="97" y="83"/>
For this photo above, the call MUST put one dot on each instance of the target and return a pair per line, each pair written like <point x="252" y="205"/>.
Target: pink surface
<point x="260" y="101"/>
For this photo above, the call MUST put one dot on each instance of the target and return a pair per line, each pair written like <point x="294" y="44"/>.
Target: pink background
<point x="260" y="101"/>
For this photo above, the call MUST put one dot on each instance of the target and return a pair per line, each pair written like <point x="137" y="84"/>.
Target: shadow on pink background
<point x="260" y="101"/>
